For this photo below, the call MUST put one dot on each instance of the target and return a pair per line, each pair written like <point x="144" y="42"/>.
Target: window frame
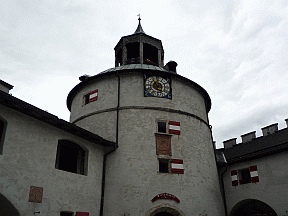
<point x="246" y="174"/>
<point x="81" y="157"/>
<point x="163" y="122"/>
<point x="168" y="168"/>
<point x="86" y="99"/>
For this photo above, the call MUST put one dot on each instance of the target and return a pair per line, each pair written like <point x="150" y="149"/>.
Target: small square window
<point x="164" y="165"/>
<point x="86" y="98"/>
<point x="62" y="213"/>
<point x="161" y="127"/>
<point x="244" y="176"/>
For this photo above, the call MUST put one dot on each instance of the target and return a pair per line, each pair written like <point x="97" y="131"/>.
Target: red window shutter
<point x="233" y="172"/>
<point x="177" y="166"/>
<point x="234" y="177"/>
<point x="255" y="179"/>
<point x="253" y="168"/>
<point x="93" y="95"/>
<point x="174" y="127"/>
<point x="254" y="174"/>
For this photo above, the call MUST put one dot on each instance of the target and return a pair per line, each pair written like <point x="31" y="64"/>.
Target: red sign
<point x="82" y="213"/>
<point x="165" y="196"/>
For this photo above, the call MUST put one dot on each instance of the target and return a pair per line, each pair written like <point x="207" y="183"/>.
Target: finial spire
<point x="139" y="28"/>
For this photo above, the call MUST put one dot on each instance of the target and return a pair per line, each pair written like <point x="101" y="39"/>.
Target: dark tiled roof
<point x="6" y="84"/>
<point x="259" y="147"/>
<point x="30" y="110"/>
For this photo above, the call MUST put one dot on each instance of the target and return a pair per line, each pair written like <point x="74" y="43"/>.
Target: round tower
<point x="164" y="162"/>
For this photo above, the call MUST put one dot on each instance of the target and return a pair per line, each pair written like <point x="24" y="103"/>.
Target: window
<point x="244" y="176"/>
<point x="86" y="98"/>
<point x="66" y="213"/>
<point x="170" y="127"/>
<point x="71" y="157"/>
<point x="164" y="165"/>
<point x="3" y="124"/>
<point x="161" y="127"/>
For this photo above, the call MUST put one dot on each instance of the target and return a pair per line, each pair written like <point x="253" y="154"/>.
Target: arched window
<point x="71" y="157"/>
<point x="3" y="125"/>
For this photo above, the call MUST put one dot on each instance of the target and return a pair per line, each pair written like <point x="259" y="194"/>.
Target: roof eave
<point x="32" y="111"/>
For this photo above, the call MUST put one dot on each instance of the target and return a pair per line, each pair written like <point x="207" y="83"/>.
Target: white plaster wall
<point x="132" y="170"/>
<point x="107" y="97"/>
<point x="272" y="187"/>
<point x="28" y="159"/>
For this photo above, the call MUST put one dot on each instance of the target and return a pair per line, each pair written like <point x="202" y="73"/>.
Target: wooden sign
<point x="163" y="144"/>
<point x="36" y="194"/>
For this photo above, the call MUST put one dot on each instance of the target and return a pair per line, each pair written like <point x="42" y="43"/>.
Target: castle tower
<point x="163" y="163"/>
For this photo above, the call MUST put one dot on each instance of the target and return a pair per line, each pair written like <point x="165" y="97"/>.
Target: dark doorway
<point x="251" y="207"/>
<point x="7" y="208"/>
<point x="163" y="214"/>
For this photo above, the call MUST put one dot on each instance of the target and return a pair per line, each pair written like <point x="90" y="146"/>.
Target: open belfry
<point x="163" y="160"/>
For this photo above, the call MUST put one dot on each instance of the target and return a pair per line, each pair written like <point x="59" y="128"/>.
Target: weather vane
<point x="139" y="17"/>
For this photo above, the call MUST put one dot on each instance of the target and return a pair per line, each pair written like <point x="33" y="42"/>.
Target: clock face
<point x="157" y="86"/>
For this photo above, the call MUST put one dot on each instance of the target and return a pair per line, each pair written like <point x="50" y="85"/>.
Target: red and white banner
<point x="93" y="95"/>
<point x="174" y="127"/>
<point x="177" y="166"/>
<point x="254" y="174"/>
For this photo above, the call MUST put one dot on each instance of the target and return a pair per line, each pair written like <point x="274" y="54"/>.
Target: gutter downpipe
<point x="223" y="191"/>
<point x="114" y="149"/>
<point x="221" y="178"/>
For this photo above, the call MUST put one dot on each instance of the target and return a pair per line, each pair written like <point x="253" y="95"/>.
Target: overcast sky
<point x="236" y="50"/>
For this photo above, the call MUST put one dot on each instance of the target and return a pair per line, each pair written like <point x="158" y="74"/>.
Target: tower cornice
<point x="136" y="68"/>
